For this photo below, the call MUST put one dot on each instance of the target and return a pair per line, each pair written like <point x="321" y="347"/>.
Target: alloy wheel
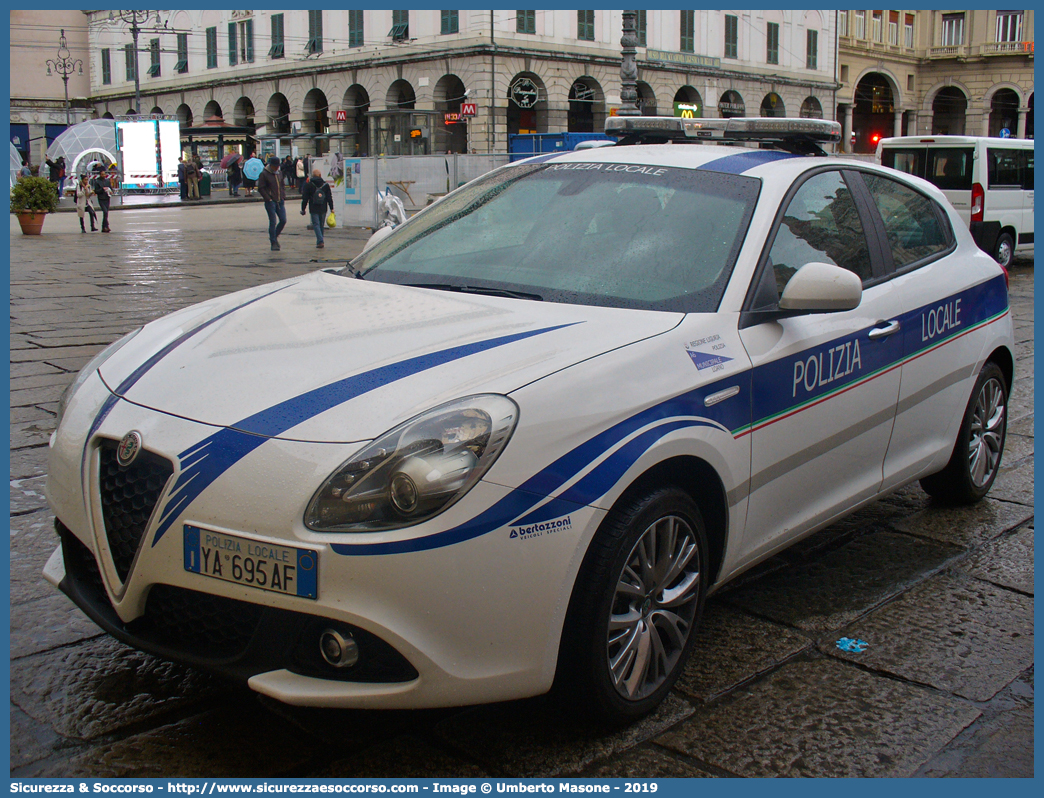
<point x="987" y="433"/>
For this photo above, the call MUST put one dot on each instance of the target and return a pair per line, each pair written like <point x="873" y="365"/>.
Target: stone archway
<point x="949" y="109"/>
<point x="688" y="102"/>
<point x="586" y="106"/>
<point x="212" y="110"/>
<point x="646" y="99"/>
<point x="243" y="113"/>
<point x="811" y="108"/>
<point x="873" y="115"/>
<point x="527" y="104"/>
<point x="278" y="112"/>
<point x="731" y="105"/>
<point x="448" y="95"/>
<point x="355" y="104"/>
<point x="156" y="110"/>
<point x="184" y="115"/>
<point x="401" y="96"/>
<point x="1004" y="112"/>
<point x="772" y="106"/>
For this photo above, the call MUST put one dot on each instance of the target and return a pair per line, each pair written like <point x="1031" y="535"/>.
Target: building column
<point x="1022" y="123"/>
<point x="926" y="119"/>
<point x="897" y="123"/>
<point x="911" y="123"/>
<point x="846" y="130"/>
<point x="985" y="127"/>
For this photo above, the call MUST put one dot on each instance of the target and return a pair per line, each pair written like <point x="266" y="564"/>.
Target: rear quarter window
<point x="950" y="168"/>
<point x="1004" y="167"/>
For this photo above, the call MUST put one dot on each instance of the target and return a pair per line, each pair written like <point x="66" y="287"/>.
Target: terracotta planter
<point x="31" y="222"/>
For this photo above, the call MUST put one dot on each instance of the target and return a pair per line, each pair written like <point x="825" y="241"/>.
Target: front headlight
<point x="416" y="470"/>
<point x="92" y="366"/>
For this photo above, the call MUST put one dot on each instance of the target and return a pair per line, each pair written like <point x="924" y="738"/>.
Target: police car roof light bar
<point x="802" y="136"/>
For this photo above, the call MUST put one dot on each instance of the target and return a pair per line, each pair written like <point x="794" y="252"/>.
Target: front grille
<point x="198" y="623"/>
<point x="128" y="497"/>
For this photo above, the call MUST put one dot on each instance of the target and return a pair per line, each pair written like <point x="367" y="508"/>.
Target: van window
<point x="912" y="227"/>
<point x="910" y="161"/>
<point x="1027" y="174"/>
<point x="1004" y="167"/>
<point x="950" y="168"/>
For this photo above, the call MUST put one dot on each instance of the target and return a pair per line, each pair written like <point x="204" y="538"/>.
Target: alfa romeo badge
<point x="128" y="449"/>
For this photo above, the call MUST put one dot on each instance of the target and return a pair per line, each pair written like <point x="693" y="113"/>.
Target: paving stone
<point x="27" y="495"/>
<point x="648" y="763"/>
<point x="967" y="526"/>
<point x="32" y="433"/>
<point x="1015" y="486"/>
<point x="830" y="592"/>
<point x="47" y="623"/>
<point x="34" y="396"/>
<point x="528" y="739"/>
<point x="30" y="741"/>
<point x="1023" y="426"/>
<point x="403" y="758"/>
<point x="957" y="634"/>
<point x="236" y="741"/>
<point x="733" y="647"/>
<point x="97" y="687"/>
<point x="994" y="748"/>
<point x="32" y="541"/>
<point x="59" y="378"/>
<point x="29" y="463"/>
<point x="47" y="354"/>
<point x="1017" y="449"/>
<point x="852" y="724"/>
<point x="1007" y="562"/>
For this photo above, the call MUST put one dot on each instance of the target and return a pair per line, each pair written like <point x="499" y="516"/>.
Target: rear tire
<point x="977" y="454"/>
<point x="634" y="608"/>
<point x="1004" y="252"/>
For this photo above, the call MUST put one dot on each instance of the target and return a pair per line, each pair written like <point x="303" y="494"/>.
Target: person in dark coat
<point x="183" y="178"/>
<point x="235" y="178"/>
<point x="270" y="187"/>
<point x="101" y="189"/>
<point x="317" y="196"/>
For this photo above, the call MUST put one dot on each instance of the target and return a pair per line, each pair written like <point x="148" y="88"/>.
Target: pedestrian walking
<point x="192" y="174"/>
<point x="299" y="171"/>
<point x="100" y="187"/>
<point x="61" y="176"/>
<point x="319" y="199"/>
<point x="286" y="170"/>
<point x="270" y="187"/>
<point x="25" y="171"/>
<point x="235" y="178"/>
<point x="82" y="194"/>
<point x="248" y="183"/>
<point x="183" y="178"/>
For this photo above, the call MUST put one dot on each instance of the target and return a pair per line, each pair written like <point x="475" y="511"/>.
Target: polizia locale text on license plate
<point x="254" y="563"/>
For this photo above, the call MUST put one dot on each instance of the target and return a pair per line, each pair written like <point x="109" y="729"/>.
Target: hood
<point x="334" y="359"/>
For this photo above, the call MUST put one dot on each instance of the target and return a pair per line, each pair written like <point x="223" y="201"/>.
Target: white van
<point x="988" y="180"/>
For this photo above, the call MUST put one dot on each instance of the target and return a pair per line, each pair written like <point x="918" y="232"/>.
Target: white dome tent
<point x="93" y="140"/>
<point x="16" y="164"/>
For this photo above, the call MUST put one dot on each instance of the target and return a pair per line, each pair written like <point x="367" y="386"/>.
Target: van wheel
<point x="635" y="606"/>
<point x="977" y="454"/>
<point x="1005" y="250"/>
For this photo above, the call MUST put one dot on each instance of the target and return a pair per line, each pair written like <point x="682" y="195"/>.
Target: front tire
<point x="1004" y="252"/>
<point x="976" y="457"/>
<point x="635" y="606"/>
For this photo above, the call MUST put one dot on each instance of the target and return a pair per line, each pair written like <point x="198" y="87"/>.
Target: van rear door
<point x="950" y="169"/>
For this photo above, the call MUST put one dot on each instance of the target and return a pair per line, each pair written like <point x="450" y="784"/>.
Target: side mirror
<point x="821" y="287"/>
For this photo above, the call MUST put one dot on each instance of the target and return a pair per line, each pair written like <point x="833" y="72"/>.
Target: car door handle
<point x="883" y="332"/>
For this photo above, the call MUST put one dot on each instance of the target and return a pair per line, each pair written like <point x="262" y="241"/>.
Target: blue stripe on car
<point x="204" y="462"/>
<point x="742" y="161"/>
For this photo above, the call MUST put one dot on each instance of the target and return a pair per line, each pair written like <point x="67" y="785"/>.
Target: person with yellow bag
<point x="318" y="198"/>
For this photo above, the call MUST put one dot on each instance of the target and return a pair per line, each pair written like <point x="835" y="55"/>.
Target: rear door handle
<point x="883" y="332"/>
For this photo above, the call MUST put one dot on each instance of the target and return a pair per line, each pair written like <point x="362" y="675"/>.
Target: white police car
<point x="522" y="438"/>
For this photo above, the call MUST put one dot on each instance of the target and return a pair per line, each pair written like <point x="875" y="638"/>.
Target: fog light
<point x="338" y="650"/>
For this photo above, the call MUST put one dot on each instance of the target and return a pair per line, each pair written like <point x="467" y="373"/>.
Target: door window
<point x="950" y="168"/>
<point x="1004" y="167"/>
<point x="821" y="224"/>
<point x="912" y="226"/>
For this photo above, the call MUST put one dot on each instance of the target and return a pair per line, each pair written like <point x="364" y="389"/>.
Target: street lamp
<point x="135" y="19"/>
<point x="65" y="65"/>
<point x="629" y="66"/>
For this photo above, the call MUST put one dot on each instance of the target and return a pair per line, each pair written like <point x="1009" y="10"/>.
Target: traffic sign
<point x="1005" y="133"/>
<point x="469" y="109"/>
<point x="342" y="116"/>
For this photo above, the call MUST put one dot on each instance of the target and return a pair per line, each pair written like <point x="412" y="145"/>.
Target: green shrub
<point x="34" y="194"/>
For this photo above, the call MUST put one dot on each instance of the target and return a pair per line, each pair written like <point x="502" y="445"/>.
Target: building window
<point x="106" y="67"/>
<point x="278" y="48"/>
<point x="812" y="49"/>
<point x="842" y="23"/>
<point x="181" y="67"/>
<point x="585" y="26"/>
<point x="154" y="58"/>
<point x="211" y="48"/>
<point x="315" y="32"/>
<point x="877" y="30"/>
<point x="355" y="28"/>
<point x="893" y="27"/>
<point x="525" y="22"/>
<point x="246" y="41"/>
<point x="772" y="43"/>
<point x="450" y="22"/>
<point x="952" y="30"/>
<point x="232" y="51"/>
<point x="1009" y="26"/>
<point x="128" y="55"/>
<point x="860" y="25"/>
<point x="400" y="25"/>
<point x="688" y="31"/>
<point x="731" y="36"/>
<point x="643" y="36"/>
<point x="909" y="31"/>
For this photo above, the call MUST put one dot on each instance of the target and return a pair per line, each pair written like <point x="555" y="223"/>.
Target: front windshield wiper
<point x="476" y="289"/>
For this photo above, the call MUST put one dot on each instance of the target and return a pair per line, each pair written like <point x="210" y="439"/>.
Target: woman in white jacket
<point x="83" y="194"/>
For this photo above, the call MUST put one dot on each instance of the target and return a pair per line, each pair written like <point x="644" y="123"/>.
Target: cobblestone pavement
<point x="943" y="596"/>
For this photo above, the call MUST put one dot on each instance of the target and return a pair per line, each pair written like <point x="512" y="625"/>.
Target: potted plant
<point x="32" y="198"/>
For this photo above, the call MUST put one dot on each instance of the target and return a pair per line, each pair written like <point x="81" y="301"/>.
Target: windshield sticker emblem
<point x="708" y="353"/>
<point x="127" y="451"/>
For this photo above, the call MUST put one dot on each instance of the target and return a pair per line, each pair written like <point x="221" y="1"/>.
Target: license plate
<point x="279" y="569"/>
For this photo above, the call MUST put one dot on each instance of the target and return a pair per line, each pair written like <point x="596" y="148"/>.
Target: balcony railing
<point x="1007" y="48"/>
<point x="948" y="51"/>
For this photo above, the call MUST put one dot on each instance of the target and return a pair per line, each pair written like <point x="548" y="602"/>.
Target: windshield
<point x="613" y="234"/>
